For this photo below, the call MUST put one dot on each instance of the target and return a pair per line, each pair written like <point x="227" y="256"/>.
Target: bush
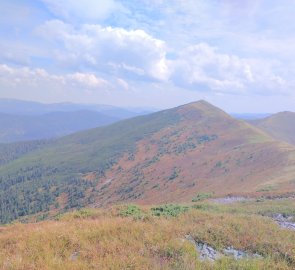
<point x="131" y="211"/>
<point x="202" y="196"/>
<point x="169" y="210"/>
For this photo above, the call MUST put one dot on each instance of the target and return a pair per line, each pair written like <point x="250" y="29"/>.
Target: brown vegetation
<point x="135" y="239"/>
<point x="207" y="151"/>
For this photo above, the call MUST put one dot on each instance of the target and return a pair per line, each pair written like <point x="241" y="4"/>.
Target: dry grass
<point x="103" y="239"/>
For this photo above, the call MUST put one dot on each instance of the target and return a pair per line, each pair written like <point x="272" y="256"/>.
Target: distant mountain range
<point x="26" y="120"/>
<point x="22" y="107"/>
<point x="167" y="156"/>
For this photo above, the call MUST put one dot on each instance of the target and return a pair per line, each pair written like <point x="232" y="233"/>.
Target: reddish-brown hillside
<point x="168" y="156"/>
<point x="207" y="151"/>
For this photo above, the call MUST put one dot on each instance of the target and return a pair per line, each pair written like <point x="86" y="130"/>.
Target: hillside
<point x="15" y="128"/>
<point x="207" y="151"/>
<point x="168" y="156"/>
<point x="202" y="236"/>
<point x="281" y="126"/>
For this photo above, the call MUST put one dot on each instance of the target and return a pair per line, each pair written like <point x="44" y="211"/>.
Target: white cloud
<point x="204" y="66"/>
<point x="88" y="80"/>
<point x="86" y="10"/>
<point x="26" y="78"/>
<point x="136" y="55"/>
<point x="213" y="48"/>
<point x="114" y="50"/>
<point x="123" y="84"/>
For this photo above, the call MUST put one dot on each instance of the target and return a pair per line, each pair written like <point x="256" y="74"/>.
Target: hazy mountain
<point x="56" y="124"/>
<point x="22" y="107"/>
<point x="281" y="126"/>
<point x="166" y="156"/>
<point x="26" y="120"/>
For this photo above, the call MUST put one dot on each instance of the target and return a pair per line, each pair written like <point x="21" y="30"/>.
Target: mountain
<point x="167" y="156"/>
<point x="26" y="120"/>
<point x="56" y="124"/>
<point x="281" y="126"/>
<point x="250" y="116"/>
<point x="22" y="107"/>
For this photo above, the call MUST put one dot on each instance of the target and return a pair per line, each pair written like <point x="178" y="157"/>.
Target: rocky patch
<point x="286" y="222"/>
<point x="207" y="252"/>
<point x="239" y="254"/>
<point x="229" y="199"/>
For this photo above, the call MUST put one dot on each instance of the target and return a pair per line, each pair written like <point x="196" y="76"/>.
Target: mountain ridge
<point x="25" y="107"/>
<point x="167" y="156"/>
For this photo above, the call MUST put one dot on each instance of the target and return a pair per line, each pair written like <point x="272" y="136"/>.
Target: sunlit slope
<point x="147" y="238"/>
<point x="207" y="151"/>
<point x="281" y="126"/>
<point x="162" y="157"/>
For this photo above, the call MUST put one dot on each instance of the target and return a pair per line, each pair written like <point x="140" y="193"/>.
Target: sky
<point x="237" y="54"/>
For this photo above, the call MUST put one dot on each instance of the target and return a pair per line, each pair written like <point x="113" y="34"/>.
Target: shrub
<point x="202" y="196"/>
<point x="131" y="211"/>
<point x="169" y="210"/>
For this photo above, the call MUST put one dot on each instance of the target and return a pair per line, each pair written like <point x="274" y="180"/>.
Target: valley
<point x="164" y="157"/>
<point x="185" y="188"/>
<point x="147" y="135"/>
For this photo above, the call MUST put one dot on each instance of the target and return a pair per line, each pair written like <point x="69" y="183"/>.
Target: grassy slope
<point x="96" y="148"/>
<point x="36" y="181"/>
<point x="166" y="156"/>
<point x="207" y="151"/>
<point x="281" y="126"/>
<point x="112" y="239"/>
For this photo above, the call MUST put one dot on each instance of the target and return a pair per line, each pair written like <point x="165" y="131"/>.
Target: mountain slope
<point x="56" y="124"/>
<point x="208" y="151"/>
<point x="51" y="175"/>
<point x="281" y="126"/>
<point x="162" y="157"/>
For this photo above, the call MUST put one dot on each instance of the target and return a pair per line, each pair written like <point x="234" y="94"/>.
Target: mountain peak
<point x="201" y="108"/>
<point x="201" y="105"/>
<point x="164" y="157"/>
<point x="285" y="113"/>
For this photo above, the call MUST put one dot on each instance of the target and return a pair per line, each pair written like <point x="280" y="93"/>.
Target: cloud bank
<point x="218" y="50"/>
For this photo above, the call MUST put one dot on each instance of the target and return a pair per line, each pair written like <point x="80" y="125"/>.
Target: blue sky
<point x="236" y="54"/>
